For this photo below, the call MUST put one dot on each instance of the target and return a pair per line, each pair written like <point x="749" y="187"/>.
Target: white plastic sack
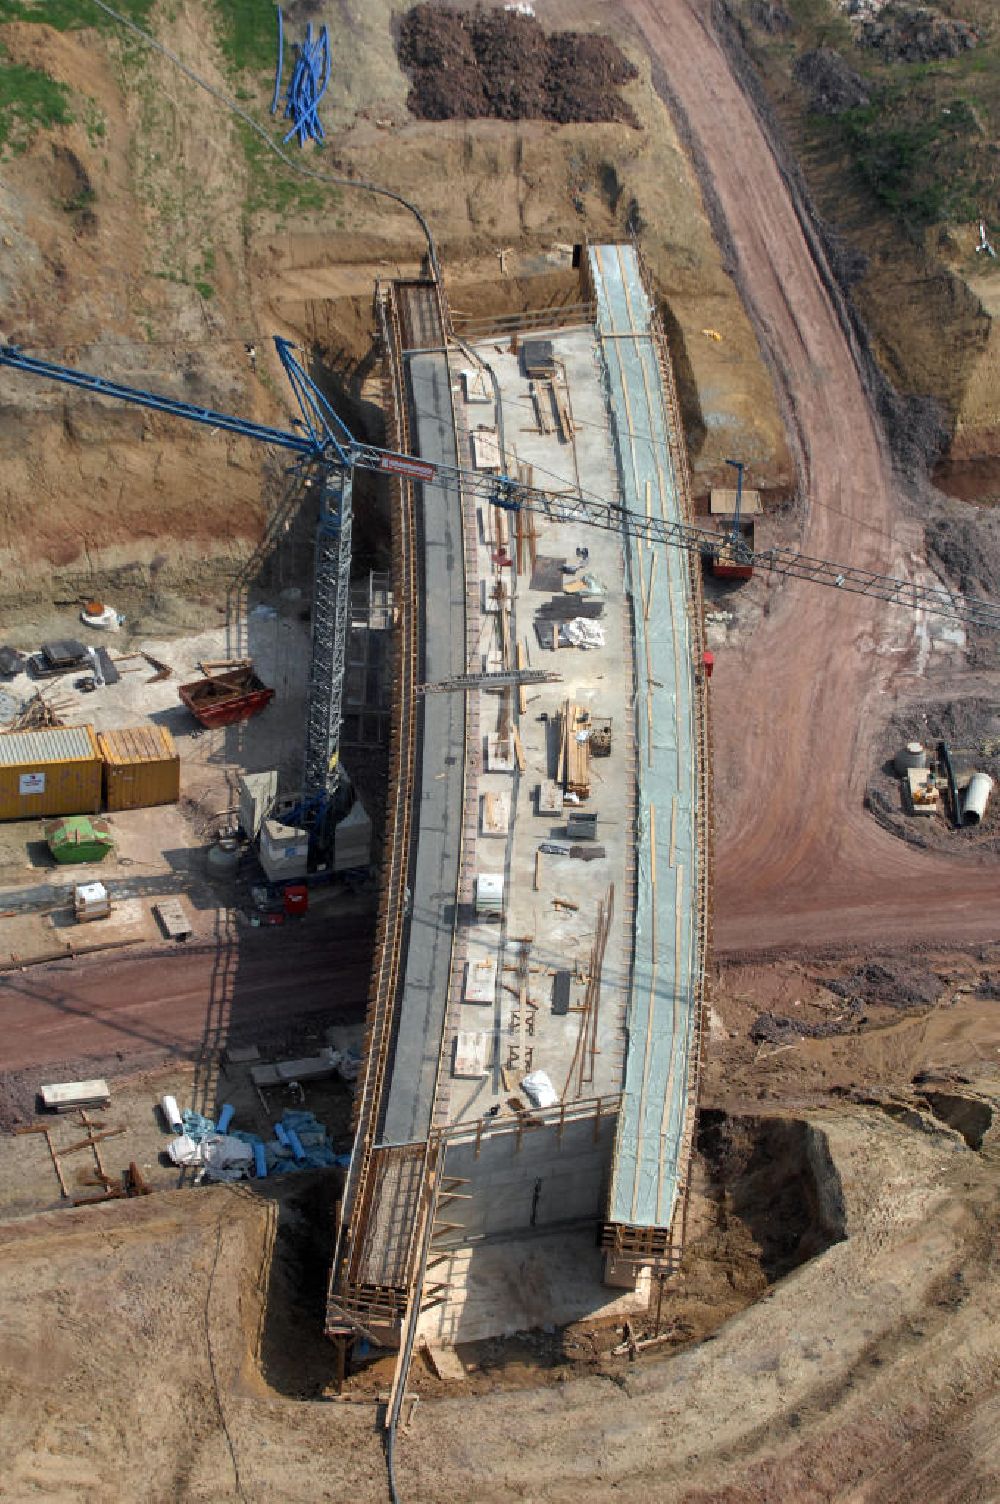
<point x="581" y="632"/>
<point x="221" y="1156"/>
<point x="539" y="1090"/>
<point x="184" y="1151"/>
<point x="349" y="1065"/>
<point x="225" y="1158"/>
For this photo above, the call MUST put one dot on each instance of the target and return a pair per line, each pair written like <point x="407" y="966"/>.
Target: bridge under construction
<point x="534" y="1020"/>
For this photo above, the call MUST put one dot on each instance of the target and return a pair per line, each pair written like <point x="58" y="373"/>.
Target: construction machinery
<point x="732" y="561"/>
<point x="320" y="439"/>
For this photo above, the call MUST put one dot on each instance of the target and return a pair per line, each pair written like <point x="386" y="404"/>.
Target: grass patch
<point x="248" y="34"/>
<point x="73" y="15"/>
<point x="923" y="147"/>
<point x="921" y="163"/>
<point x="274" y="187"/>
<point x="29" y="100"/>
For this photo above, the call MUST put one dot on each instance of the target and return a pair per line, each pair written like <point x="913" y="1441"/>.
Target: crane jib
<point x="403" y="465"/>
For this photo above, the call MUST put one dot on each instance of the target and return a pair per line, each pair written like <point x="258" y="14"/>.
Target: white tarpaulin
<point x="581" y="632"/>
<point x="539" y="1090"/>
<point x="221" y="1156"/>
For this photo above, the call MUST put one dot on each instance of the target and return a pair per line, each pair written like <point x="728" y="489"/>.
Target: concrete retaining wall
<point x="543" y="1182"/>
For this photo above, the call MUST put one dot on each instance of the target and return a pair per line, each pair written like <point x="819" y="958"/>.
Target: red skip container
<point x="296" y="899"/>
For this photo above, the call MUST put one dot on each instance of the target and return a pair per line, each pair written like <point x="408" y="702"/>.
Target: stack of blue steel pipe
<point x="307" y="85"/>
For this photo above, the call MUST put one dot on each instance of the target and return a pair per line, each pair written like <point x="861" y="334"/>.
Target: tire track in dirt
<point x="797" y="861"/>
<point x="177" y="1003"/>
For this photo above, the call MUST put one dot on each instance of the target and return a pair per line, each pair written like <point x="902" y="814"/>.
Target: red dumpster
<point x="708" y="662"/>
<point x="296" y="900"/>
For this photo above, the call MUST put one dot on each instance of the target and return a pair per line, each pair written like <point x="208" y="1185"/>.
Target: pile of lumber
<point x="38" y="713"/>
<point x="573" y="773"/>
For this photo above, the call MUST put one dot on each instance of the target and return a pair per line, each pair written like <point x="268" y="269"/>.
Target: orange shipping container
<point x="141" y="768"/>
<point x="56" y="771"/>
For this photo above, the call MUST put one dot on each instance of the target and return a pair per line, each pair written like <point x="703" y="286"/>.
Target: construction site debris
<point x="776" y="1029"/>
<point x="67" y="1096"/>
<point x="539" y="1090"/>
<point x="11" y="661"/>
<point x="466" y="65"/>
<point x="907" y="33"/>
<point x="91" y="901"/>
<point x="833" y="85"/>
<point x="580" y="633"/>
<point x="893" y="983"/>
<point x="170" y="913"/>
<point x="222" y="699"/>
<point x="219" y="1155"/>
<point x="35" y="714"/>
<point x="300" y="1142"/>
<point x="308" y="1068"/>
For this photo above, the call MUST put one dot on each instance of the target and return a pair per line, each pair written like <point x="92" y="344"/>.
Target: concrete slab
<point x="499" y="1287"/>
<point x="558" y="937"/>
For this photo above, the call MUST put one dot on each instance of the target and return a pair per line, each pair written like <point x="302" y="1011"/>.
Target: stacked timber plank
<point x="574" y="751"/>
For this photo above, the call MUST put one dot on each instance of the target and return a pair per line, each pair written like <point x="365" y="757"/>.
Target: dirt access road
<point x="797" y="860"/>
<point x="147" y="1005"/>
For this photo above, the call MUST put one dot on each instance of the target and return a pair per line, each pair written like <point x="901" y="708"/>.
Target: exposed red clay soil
<point x="797" y="861"/>
<point x="138" y="1005"/>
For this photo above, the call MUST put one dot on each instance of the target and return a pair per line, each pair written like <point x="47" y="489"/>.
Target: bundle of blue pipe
<point x="307" y="85"/>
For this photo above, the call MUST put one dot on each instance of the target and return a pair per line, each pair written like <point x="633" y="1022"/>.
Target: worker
<point x="251" y="350"/>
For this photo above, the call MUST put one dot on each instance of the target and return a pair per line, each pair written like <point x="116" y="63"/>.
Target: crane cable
<point x="272" y="145"/>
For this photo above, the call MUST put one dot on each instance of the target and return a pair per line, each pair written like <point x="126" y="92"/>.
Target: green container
<point x="78" y="838"/>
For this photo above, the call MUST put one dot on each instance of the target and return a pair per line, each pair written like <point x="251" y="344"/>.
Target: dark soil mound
<point x="832" y="85"/>
<point x="467" y="64"/>
<point x="916" y="34"/>
<point x="894" y="984"/>
<point x="968" y="550"/>
<point x="435" y="45"/>
<point x="775" y="1028"/>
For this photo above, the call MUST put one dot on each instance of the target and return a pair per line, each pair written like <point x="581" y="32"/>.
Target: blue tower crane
<point x="319" y="438"/>
<point x="322" y="438"/>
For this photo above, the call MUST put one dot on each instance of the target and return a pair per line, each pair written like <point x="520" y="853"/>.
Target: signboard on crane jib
<point x="402" y="464"/>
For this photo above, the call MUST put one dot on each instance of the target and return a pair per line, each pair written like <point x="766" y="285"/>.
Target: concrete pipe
<point x="976" y="797"/>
